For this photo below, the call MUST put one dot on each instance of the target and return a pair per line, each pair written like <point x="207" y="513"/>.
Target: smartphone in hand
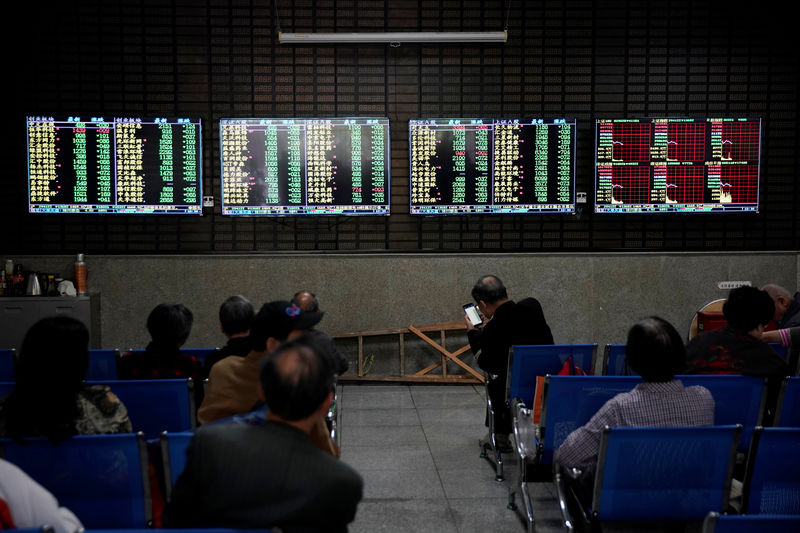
<point x="472" y="314"/>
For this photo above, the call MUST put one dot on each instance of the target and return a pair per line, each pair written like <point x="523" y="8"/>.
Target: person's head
<point x="170" y="324"/>
<point x="51" y="367"/>
<point x="235" y="315"/>
<point x="747" y="308"/>
<point x="488" y="292"/>
<point x="54" y="350"/>
<point x="278" y="321"/>
<point x="655" y="350"/>
<point x="297" y="380"/>
<point x="780" y="297"/>
<point x="307" y="301"/>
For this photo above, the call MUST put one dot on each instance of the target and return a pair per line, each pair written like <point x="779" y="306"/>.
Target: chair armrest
<point x="572" y="512"/>
<point x="526" y="433"/>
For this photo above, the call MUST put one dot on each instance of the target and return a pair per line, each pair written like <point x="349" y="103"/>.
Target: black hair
<point x="747" y="307"/>
<point x="655" y="350"/>
<point x="296" y="379"/>
<point x="489" y="289"/>
<point x="170" y="324"/>
<point x="235" y="315"/>
<point x="50" y="370"/>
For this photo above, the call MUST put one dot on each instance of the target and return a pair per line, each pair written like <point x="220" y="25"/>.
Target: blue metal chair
<point x="102" y="364"/>
<point x="788" y="412"/>
<point x="7" y="387"/>
<point x="156" y="405"/>
<point x="649" y="474"/>
<point x="772" y="477"/>
<point x="568" y="403"/>
<point x="614" y="363"/>
<point x="526" y="362"/>
<point x="737" y="400"/>
<point x="173" y="457"/>
<point x="720" y="523"/>
<point x="8" y="361"/>
<point x="103" y="479"/>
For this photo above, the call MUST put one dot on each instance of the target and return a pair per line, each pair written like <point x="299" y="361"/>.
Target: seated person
<point x="309" y="303"/>
<point x="509" y="323"/>
<point x="654" y="351"/>
<point x="233" y="386"/>
<point x="736" y="348"/>
<point x="242" y="476"/>
<point x="26" y="504"/>
<point x="169" y="326"/>
<point x="235" y="315"/>
<point x="787" y="308"/>
<point x="50" y="398"/>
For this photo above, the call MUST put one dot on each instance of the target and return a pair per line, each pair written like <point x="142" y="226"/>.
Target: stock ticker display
<point x="677" y="165"/>
<point x="491" y="166"/>
<point x="274" y="166"/>
<point x="123" y="165"/>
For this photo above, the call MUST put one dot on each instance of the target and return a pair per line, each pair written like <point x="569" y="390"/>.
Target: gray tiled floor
<point x="416" y="447"/>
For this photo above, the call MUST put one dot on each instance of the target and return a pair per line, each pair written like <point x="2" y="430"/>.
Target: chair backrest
<point x="8" y="363"/>
<point x="102" y="364"/>
<point x="156" y="405"/>
<point x="663" y="473"/>
<point x="614" y="362"/>
<point x="737" y="400"/>
<point x="173" y="457"/>
<point x="529" y="361"/>
<point x="772" y="478"/>
<point x="7" y="387"/>
<point x="103" y="479"/>
<point x="787" y="413"/>
<point x="706" y="318"/>
<point x="779" y="349"/>
<point x="570" y="401"/>
<point x="730" y="523"/>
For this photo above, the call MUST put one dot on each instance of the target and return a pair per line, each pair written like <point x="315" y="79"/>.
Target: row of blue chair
<point x="102" y="362"/>
<point x="614" y="363"/>
<point x="525" y="364"/>
<point x="569" y="401"/>
<point x="721" y="523"/>
<point x="103" y="479"/>
<point x="154" y="405"/>
<point x="682" y="474"/>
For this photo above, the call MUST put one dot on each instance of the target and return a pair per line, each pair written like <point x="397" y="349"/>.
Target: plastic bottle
<point x="80" y="276"/>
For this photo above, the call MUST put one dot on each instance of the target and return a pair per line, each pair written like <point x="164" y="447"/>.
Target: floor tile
<point x="374" y="399"/>
<point x="406" y="458"/>
<point x="403" y="516"/>
<point x="466" y="416"/>
<point x="484" y="514"/>
<point x="417" y="484"/>
<point x="379" y="417"/>
<point x="388" y="436"/>
<point x="416" y="446"/>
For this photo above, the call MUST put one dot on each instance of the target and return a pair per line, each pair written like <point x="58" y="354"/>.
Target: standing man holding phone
<point x="508" y="324"/>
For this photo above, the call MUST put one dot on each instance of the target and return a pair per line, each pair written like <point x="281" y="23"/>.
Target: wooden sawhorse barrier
<point x="472" y="375"/>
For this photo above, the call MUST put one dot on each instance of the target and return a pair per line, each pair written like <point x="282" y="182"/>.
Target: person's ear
<point x="325" y="406"/>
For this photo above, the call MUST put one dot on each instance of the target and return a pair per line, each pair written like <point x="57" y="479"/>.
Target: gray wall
<point x="586" y="297"/>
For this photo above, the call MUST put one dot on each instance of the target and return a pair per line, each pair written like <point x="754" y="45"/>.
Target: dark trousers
<point x="502" y="413"/>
